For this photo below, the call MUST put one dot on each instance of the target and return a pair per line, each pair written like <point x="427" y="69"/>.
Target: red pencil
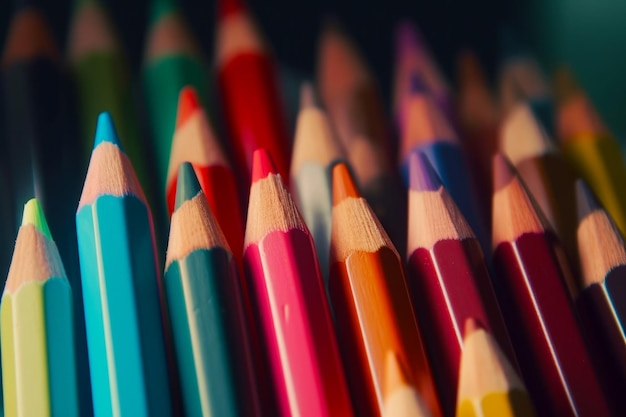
<point x="249" y="91"/>
<point x="290" y="301"/>
<point x="448" y="277"/>
<point x="195" y="142"/>
<point x="553" y="358"/>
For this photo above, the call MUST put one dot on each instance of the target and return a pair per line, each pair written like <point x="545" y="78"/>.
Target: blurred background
<point x="587" y="35"/>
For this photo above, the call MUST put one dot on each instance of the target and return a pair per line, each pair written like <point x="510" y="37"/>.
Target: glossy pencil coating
<point x="206" y="308"/>
<point x="120" y="286"/>
<point x="552" y="355"/>
<point x="424" y="128"/>
<point x="102" y="81"/>
<point x="550" y="180"/>
<point x="172" y="60"/>
<point x="447" y="276"/>
<point x="602" y="302"/>
<point x="349" y="93"/>
<point x="592" y="150"/>
<point x="488" y="383"/>
<point x="371" y="302"/>
<point x="290" y="302"/>
<point x="195" y="142"/>
<point x="249" y="90"/>
<point x="37" y="322"/>
<point x="315" y="152"/>
<point x="401" y="397"/>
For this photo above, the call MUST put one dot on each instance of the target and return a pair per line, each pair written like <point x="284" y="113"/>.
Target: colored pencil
<point x="401" y="397"/>
<point x="520" y="79"/>
<point x="413" y="57"/>
<point x="552" y="355"/>
<point x="602" y="302"/>
<point x="591" y="149"/>
<point x="42" y="149"/>
<point x="214" y="359"/>
<point x="120" y="286"/>
<point x="102" y="80"/>
<point x="370" y="299"/>
<point x="488" y="383"/>
<point x="38" y="360"/>
<point x="249" y="89"/>
<point x="290" y="301"/>
<point x="172" y="61"/>
<point x="195" y="141"/>
<point x="315" y="152"/>
<point x="447" y="276"/>
<point x="425" y="129"/>
<point x="548" y="177"/>
<point x="349" y="93"/>
<point x="478" y="118"/>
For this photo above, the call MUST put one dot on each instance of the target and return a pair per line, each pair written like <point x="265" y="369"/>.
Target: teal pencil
<point x="120" y="280"/>
<point x="206" y="308"/>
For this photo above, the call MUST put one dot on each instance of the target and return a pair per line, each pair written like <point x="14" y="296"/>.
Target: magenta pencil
<point x="289" y="301"/>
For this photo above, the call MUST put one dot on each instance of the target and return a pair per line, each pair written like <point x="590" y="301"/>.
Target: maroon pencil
<point x="552" y="355"/>
<point x="447" y="276"/>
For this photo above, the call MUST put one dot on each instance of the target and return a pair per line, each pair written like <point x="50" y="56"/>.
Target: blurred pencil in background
<point x="37" y="321"/>
<point x="249" y="90"/>
<point x="488" y="383"/>
<point x="121" y="286"/>
<point x="590" y="148"/>
<point x="602" y="301"/>
<point x="550" y="349"/>
<point x="195" y="141"/>
<point x="350" y="95"/>
<point x="315" y="152"/>
<point x="371" y="304"/>
<point x="447" y="276"/>
<point x="212" y="347"/>
<point x="290" y="301"/>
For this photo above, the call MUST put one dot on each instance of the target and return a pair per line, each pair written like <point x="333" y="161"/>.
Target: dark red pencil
<point x="552" y="355"/>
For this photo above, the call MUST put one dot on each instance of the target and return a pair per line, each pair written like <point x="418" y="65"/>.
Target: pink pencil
<point x="289" y="301"/>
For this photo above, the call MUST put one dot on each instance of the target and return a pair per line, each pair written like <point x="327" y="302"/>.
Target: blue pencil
<point x="120" y="281"/>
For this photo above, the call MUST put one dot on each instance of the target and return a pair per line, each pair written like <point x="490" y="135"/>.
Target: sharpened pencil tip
<point x="503" y="171"/>
<point x="471" y="325"/>
<point x="187" y="186"/>
<point x="586" y="201"/>
<point x="105" y="131"/>
<point x="33" y="214"/>
<point x="343" y="184"/>
<point x="188" y="104"/>
<point x="422" y="175"/>
<point x="160" y="8"/>
<point x="417" y="84"/>
<point x="262" y="165"/>
<point x="226" y="8"/>
<point x="307" y="96"/>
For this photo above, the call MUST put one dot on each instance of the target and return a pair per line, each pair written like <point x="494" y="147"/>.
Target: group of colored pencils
<point x="467" y="259"/>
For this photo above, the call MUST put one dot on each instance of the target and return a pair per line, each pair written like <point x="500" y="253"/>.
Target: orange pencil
<point x="195" y="141"/>
<point x="249" y="90"/>
<point x="371" y="302"/>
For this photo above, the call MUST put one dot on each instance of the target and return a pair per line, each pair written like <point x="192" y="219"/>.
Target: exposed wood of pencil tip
<point x="170" y="36"/>
<point x="110" y="172"/>
<point x="522" y="135"/>
<point x="28" y="37"/>
<point x="600" y="244"/>
<point x="484" y="367"/>
<point x="91" y="32"/>
<point x="423" y="123"/>
<point x="433" y="214"/>
<point x="271" y="208"/>
<point x="514" y="212"/>
<point x="314" y="138"/>
<point x="355" y="227"/>
<point x="193" y="227"/>
<point x="237" y="33"/>
<point x="476" y="103"/>
<point x="400" y="396"/>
